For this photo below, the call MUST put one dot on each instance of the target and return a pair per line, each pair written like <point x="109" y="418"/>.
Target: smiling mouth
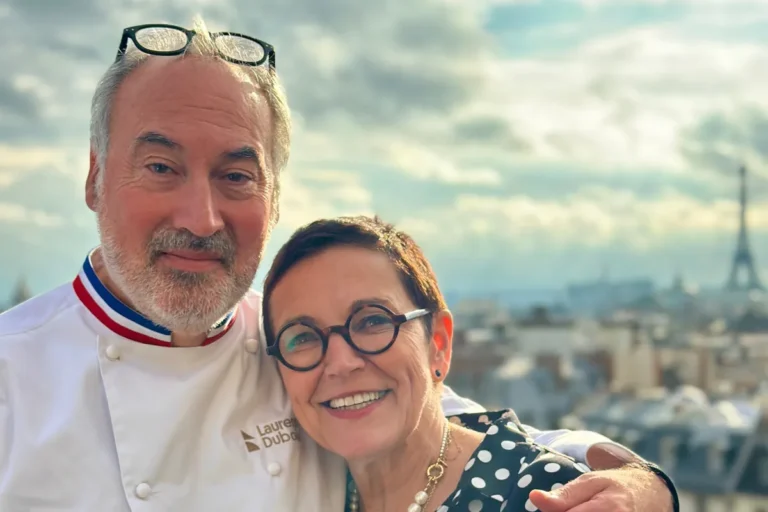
<point x="356" y="401"/>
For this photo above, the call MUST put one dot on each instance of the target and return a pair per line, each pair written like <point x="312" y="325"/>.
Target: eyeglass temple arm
<point x="415" y="314"/>
<point x="123" y="46"/>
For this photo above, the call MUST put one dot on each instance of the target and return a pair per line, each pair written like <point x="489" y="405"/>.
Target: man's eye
<point x="159" y="168"/>
<point x="237" y="177"/>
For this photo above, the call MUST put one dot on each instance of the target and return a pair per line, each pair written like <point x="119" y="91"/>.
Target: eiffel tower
<point x="742" y="258"/>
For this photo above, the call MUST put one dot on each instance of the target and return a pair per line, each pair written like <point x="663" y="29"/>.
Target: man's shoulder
<point x="36" y="313"/>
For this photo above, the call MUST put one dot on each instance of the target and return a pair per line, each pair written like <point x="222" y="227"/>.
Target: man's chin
<point x="191" y="308"/>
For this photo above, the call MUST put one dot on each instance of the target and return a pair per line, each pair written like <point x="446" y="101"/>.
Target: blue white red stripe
<point x="124" y="321"/>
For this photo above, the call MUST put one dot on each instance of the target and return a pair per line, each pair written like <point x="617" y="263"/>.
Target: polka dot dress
<point x="506" y="467"/>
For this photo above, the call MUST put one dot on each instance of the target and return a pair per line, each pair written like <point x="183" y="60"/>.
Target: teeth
<point x="357" y="401"/>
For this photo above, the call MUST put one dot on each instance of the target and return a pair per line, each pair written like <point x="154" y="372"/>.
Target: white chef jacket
<point x="97" y="414"/>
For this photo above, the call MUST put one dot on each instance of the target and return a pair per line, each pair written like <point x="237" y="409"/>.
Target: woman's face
<point x="395" y="387"/>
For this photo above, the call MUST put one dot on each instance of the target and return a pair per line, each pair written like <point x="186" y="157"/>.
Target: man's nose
<point x="198" y="209"/>
<point x="340" y="358"/>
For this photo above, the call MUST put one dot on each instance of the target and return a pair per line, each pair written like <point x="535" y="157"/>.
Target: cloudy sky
<point x="524" y="143"/>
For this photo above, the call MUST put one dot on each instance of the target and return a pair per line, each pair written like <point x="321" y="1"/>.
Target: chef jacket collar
<point x="126" y="322"/>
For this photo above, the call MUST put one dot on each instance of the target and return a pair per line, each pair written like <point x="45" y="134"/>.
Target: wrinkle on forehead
<point x="196" y="90"/>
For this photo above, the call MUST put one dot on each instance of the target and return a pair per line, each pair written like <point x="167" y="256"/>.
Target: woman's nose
<point x="341" y="359"/>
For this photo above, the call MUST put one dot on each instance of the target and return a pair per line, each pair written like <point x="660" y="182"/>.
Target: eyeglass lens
<point x="167" y="39"/>
<point x="161" y="39"/>
<point x="240" y="48"/>
<point x="371" y="329"/>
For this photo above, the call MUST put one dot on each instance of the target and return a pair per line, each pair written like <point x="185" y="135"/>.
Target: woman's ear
<point x="441" y="344"/>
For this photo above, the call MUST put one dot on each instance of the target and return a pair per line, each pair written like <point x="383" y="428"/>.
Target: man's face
<point x="186" y="199"/>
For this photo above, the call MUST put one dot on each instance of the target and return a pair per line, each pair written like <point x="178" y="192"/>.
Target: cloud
<point x="28" y="158"/>
<point x="723" y="141"/>
<point x="623" y="100"/>
<point x="592" y="217"/>
<point x="320" y="194"/>
<point x="14" y="213"/>
<point x="552" y="134"/>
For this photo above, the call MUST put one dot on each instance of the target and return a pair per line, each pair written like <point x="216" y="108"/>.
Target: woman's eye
<point x="372" y="322"/>
<point x="301" y="339"/>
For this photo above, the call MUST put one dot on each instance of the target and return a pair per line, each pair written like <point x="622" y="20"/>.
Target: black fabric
<point x="506" y="467"/>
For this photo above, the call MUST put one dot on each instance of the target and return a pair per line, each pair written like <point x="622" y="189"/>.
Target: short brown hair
<point x="372" y="233"/>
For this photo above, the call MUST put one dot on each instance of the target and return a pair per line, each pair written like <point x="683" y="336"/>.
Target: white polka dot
<point x="484" y="456"/>
<point x="469" y="464"/>
<point x="475" y="506"/>
<point x="557" y="486"/>
<point x="498" y="497"/>
<point x="522" y="468"/>
<point x="503" y="506"/>
<point x="492" y="430"/>
<point x="502" y="474"/>
<point x="443" y="509"/>
<point x="530" y="507"/>
<point x="508" y="445"/>
<point x="478" y="482"/>
<point x="552" y="467"/>
<point x="456" y="496"/>
<point x="524" y="481"/>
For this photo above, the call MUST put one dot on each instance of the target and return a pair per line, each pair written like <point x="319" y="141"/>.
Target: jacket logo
<point x="252" y="447"/>
<point x="271" y="434"/>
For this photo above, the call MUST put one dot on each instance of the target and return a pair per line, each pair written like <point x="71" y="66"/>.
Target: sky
<point x="524" y="144"/>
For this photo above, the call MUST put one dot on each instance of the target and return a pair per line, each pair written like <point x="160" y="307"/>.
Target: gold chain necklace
<point x="435" y="473"/>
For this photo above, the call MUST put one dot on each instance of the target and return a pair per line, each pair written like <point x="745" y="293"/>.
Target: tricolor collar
<point x="126" y="322"/>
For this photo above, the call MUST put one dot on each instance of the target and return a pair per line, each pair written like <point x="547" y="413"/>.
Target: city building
<point x="715" y="451"/>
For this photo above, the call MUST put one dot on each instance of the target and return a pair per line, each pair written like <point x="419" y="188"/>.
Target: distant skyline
<point x="525" y="144"/>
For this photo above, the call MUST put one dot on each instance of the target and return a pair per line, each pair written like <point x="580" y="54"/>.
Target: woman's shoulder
<point x="481" y="421"/>
<point x="507" y="466"/>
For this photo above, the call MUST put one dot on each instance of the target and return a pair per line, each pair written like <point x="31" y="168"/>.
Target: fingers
<point x="598" y="505"/>
<point x="574" y="494"/>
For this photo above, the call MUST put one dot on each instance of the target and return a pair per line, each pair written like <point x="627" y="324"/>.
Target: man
<point x="142" y="385"/>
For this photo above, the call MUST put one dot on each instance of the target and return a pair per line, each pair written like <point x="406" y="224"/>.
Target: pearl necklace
<point x="435" y="472"/>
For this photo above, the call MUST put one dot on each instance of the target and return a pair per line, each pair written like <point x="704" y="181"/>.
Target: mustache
<point x="221" y="243"/>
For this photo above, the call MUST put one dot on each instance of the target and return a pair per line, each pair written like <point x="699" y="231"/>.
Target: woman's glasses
<point x="370" y="330"/>
<point x="165" y="40"/>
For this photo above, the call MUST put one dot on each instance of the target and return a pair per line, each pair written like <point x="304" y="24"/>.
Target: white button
<point x="252" y="345"/>
<point x="143" y="490"/>
<point x="113" y="353"/>
<point x="274" y="468"/>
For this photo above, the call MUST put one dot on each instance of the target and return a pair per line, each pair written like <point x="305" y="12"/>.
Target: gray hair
<point x="202" y="45"/>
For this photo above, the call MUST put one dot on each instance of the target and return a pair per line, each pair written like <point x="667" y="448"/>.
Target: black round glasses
<point x="370" y="329"/>
<point x="166" y="40"/>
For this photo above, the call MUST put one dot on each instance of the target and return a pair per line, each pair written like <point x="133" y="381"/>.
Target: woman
<point x="355" y="317"/>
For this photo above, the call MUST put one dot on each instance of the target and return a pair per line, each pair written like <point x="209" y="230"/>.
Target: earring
<point x="438" y="374"/>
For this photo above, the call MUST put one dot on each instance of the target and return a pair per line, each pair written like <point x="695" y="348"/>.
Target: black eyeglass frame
<point x="129" y="34"/>
<point x="273" y="349"/>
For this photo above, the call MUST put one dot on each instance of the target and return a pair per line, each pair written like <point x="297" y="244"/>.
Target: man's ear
<point x="91" y="187"/>
<point x="441" y="343"/>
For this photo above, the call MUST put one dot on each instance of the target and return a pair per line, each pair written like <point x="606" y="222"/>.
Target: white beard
<point x="188" y="302"/>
